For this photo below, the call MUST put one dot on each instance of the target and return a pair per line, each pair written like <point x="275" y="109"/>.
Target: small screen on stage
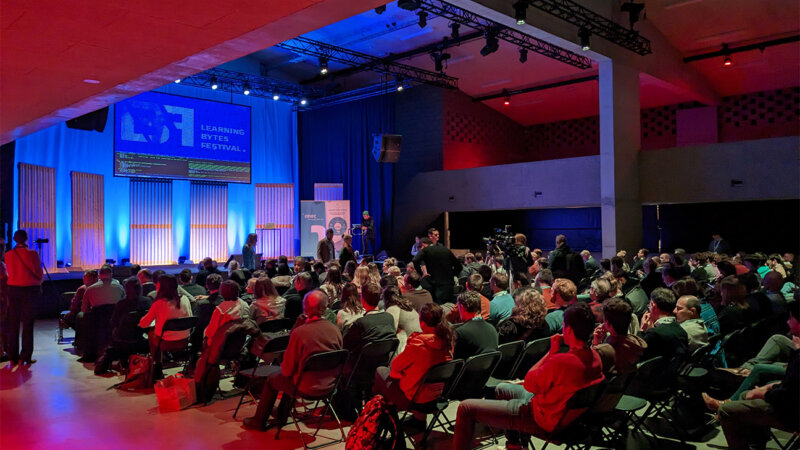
<point x="167" y="136"/>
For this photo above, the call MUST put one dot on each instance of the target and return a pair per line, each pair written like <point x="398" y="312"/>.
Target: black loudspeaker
<point x="386" y="147"/>
<point x="94" y="121"/>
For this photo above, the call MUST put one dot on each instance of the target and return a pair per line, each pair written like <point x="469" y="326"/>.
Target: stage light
<point x="246" y="88"/>
<point x="583" y="35"/>
<point x="111" y="262"/>
<point x="423" y="19"/>
<point x="214" y="83"/>
<point x="409" y="5"/>
<point x="303" y="102"/>
<point x="399" y="83"/>
<point x="492" y="44"/>
<point x="125" y="261"/>
<point x="523" y="55"/>
<point x="178" y="81"/>
<point x="520" y="11"/>
<point x="454" y="30"/>
<point x="726" y="56"/>
<point x="438" y="59"/>
<point x="323" y="65"/>
<point x="507" y="100"/>
<point x="633" y="10"/>
<point x="380" y="9"/>
<point x="276" y="97"/>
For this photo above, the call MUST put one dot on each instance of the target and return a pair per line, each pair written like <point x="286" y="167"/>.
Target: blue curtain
<point x="274" y="160"/>
<point x="336" y="147"/>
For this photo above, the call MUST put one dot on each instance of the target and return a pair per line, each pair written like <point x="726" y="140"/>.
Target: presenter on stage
<point x="249" y="252"/>
<point x="24" y="285"/>
<point x="368" y="229"/>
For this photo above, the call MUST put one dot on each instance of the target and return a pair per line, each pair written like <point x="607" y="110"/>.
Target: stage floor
<point x="59" y="402"/>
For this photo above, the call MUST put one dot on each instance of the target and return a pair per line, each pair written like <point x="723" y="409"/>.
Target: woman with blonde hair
<point x="267" y="304"/>
<point x="351" y="307"/>
<point x="361" y="277"/>
<point x="526" y="322"/>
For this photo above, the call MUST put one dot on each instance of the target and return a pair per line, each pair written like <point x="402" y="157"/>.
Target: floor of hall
<point x="58" y="402"/>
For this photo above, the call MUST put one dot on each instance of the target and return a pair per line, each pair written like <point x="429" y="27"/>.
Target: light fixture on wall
<point x="214" y="83"/>
<point x="584" y="35"/>
<point x="323" y="65"/>
<point x="246" y="88"/>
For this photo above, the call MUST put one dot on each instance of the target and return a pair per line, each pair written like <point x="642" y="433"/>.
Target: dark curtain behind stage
<point x="336" y="147"/>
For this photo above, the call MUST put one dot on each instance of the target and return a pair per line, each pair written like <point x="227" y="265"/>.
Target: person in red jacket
<point x="24" y="284"/>
<point x="434" y="345"/>
<point x="539" y="403"/>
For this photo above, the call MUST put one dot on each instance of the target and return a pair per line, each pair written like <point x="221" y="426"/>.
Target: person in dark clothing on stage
<point x="438" y="265"/>
<point x="347" y="253"/>
<point x="368" y="229"/>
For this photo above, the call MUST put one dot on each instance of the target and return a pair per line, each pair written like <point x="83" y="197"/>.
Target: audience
<point x="303" y="284"/>
<point x="474" y="284"/>
<point x="207" y="267"/>
<point x="311" y="335"/>
<point x="502" y="303"/>
<point x="544" y="281"/>
<point x="414" y="292"/>
<point x="660" y="330"/>
<point x="687" y="314"/>
<point x="352" y="308"/>
<point x="406" y="317"/>
<point x="146" y="278"/>
<point x="168" y="305"/>
<point x="126" y="336"/>
<point x="373" y="325"/>
<point x="267" y="304"/>
<point x="619" y="350"/>
<point x="185" y="281"/>
<point x="526" y="322"/>
<point x="231" y="308"/>
<point x="439" y="266"/>
<point x="538" y="403"/>
<point x="734" y="312"/>
<point x="476" y="335"/>
<point x="564" y="294"/>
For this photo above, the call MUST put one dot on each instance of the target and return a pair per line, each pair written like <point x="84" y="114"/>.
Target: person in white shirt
<point x="267" y="304"/>
<point x="231" y="308"/>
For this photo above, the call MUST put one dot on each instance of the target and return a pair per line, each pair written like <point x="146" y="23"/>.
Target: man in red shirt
<point x="539" y="403"/>
<point x="24" y="283"/>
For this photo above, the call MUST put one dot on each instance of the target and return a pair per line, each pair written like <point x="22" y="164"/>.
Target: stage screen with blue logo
<point x="167" y="136"/>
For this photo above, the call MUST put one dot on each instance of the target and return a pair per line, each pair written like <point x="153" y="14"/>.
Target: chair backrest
<point x="638" y="300"/>
<point x="586" y="397"/>
<point x="180" y="324"/>
<point x="443" y="375"/>
<point x="331" y="363"/>
<point x="473" y="376"/>
<point x="534" y="351"/>
<point x="510" y="354"/>
<point x="234" y="343"/>
<point x="271" y="326"/>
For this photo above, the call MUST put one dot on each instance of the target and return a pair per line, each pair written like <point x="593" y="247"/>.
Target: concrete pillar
<point x="620" y="141"/>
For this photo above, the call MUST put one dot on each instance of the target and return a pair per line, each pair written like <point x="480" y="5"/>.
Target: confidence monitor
<point x="167" y="136"/>
<point x="386" y="147"/>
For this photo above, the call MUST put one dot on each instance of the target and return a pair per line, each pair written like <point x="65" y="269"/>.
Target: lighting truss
<point x="310" y="47"/>
<point x="388" y="87"/>
<point x="597" y="25"/>
<point x="234" y="82"/>
<point x="458" y="15"/>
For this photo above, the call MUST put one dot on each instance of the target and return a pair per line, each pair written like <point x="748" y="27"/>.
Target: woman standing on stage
<point x="347" y="253"/>
<point x="249" y="252"/>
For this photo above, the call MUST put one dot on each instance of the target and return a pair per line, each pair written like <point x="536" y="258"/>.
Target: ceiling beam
<point x="538" y="87"/>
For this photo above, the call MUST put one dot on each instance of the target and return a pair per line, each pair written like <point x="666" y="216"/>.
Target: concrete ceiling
<point x="60" y="60"/>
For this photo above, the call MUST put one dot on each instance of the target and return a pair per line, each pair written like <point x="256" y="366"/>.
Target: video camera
<point x="500" y="241"/>
<point x="42" y="241"/>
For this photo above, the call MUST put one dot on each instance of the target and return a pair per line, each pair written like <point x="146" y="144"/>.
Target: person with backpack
<point x="432" y="346"/>
<point x="565" y="262"/>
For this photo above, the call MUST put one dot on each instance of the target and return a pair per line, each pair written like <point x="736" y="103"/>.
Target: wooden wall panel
<point x="209" y="221"/>
<point x="275" y="205"/>
<point x="88" y="230"/>
<point x="37" y="209"/>
<point x="328" y="191"/>
<point x="151" y="222"/>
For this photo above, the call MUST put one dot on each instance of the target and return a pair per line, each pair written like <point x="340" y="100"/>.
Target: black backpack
<point x="377" y="427"/>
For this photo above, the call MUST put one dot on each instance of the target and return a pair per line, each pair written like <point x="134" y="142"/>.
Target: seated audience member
<point x="414" y="292"/>
<point x="303" y="284"/>
<point x="660" y="330"/>
<point x="476" y="335"/>
<point x="349" y="271"/>
<point x="231" y="308"/>
<point x="773" y="282"/>
<point x="474" y="284"/>
<point x="90" y="277"/>
<point x="564" y="294"/>
<point x="247" y="295"/>
<point x="775" y="262"/>
<point x="734" y="312"/>
<point x="687" y="313"/>
<point x="107" y="291"/>
<point x="639" y="259"/>
<point x="168" y="305"/>
<point x="271" y="268"/>
<point x="406" y="317"/>
<point x="351" y="310"/>
<point x="502" y="303"/>
<point x="544" y="281"/>
<point x="697" y="267"/>
<point x="486" y="274"/>
<point x="605" y="266"/>
<point x="333" y="284"/>
<point x="599" y="291"/>
<point x="747" y="422"/>
<point x="146" y="278"/>
<point x="669" y="274"/>
<point x="395" y="273"/>
<point x="185" y="281"/>
<point x="319" y="269"/>
<point x="497" y="264"/>
<point x="619" y="350"/>
<point x="204" y="308"/>
<point x="387" y="282"/>
<point x="374" y="325"/>
<point x="267" y="304"/>
<point x="521" y="280"/>
<point x="126" y="336"/>
<point x="769" y="365"/>
<point x="207" y="267"/>
<point x="760" y="305"/>
<point x="235" y="273"/>
<point x="374" y="273"/>
<point x="688" y="286"/>
<point x="591" y="264"/>
<point x="469" y="265"/>
<point x="652" y="278"/>
<point x="311" y="335"/>
<point x="424" y="350"/>
<point x="526" y="322"/>
<point x="361" y="277"/>
<point x="538" y="403"/>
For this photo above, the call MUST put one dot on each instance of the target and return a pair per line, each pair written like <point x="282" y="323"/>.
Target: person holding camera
<point x="25" y="278"/>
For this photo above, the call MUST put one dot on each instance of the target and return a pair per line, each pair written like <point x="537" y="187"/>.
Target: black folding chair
<point x="534" y="351"/>
<point x="510" y="355"/>
<point x="328" y="364"/>
<point x="66" y="297"/>
<point x="469" y="383"/>
<point x="180" y="324"/>
<point x="372" y="356"/>
<point x="439" y="378"/>
<point x="275" y="325"/>
<point x="270" y="353"/>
